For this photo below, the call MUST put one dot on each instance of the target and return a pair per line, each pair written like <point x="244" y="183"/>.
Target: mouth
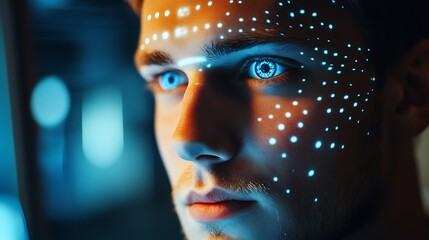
<point x="216" y="205"/>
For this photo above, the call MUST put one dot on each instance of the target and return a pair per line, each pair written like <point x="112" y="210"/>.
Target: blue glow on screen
<point x="50" y="102"/>
<point x="102" y="127"/>
<point x="12" y="223"/>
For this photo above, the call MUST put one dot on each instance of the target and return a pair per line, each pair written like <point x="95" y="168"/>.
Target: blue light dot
<point x="330" y="26"/>
<point x="314" y="14"/>
<point x="50" y="102"/>
<point x="272" y="141"/>
<point x="292" y="14"/>
<point x="318" y="144"/>
<point x="284" y="155"/>
<point x="329" y="110"/>
<point x="346" y="97"/>
<point x="316" y="200"/>
<point x="275" y="179"/>
<point x="300" y="125"/>
<point x="319" y="99"/>
<point x="288" y="191"/>
<point x="311" y="173"/>
<point x="302" y="11"/>
<point x="281" y="127"/>
<point x="294" y="139"/>
<point x="332" y="145"/>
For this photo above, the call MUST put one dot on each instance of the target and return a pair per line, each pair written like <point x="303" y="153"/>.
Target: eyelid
<point x="286" y="62"/>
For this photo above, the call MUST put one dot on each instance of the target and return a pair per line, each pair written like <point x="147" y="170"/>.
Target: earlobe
<point x="412" y="111"/>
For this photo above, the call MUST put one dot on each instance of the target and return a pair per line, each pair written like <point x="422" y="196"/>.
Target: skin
<point x="306" y="144"/>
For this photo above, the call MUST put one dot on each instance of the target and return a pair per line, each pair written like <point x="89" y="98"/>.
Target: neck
<point x="401" y="215"/>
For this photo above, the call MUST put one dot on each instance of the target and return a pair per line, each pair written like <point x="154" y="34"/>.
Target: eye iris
<point x="265" y="69"/>
<point x="169" y="81"/>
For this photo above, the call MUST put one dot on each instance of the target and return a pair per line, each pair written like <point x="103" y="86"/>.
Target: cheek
<point x="166" y="120"/>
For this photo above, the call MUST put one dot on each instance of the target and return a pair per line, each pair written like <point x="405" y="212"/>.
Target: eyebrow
<point x="223" y="47"/>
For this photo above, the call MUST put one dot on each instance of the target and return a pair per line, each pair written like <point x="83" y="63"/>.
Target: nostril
<point x="208" y="158"/>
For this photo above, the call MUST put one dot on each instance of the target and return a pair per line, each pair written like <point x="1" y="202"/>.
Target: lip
<point x="216" y="205"/>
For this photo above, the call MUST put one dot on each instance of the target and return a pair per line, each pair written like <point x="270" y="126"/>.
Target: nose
<point x="205" y="133"/>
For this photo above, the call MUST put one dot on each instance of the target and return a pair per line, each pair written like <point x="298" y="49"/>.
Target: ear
<point x="412" y="108"/>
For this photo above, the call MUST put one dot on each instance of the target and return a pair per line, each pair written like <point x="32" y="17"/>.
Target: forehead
<point x="187" y="22"/>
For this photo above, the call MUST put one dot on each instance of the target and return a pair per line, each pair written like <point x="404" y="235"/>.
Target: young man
<point x="289" y="119"/>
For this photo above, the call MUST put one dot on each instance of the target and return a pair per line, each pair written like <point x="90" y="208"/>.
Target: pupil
<point x="265" y="68"/>
<point x="171" y="79"/>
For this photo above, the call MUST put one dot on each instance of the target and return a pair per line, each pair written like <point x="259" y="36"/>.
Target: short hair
<point x="391" y="27"/>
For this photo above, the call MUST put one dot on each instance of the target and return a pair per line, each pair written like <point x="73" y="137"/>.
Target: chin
<point x="262" y="222"/>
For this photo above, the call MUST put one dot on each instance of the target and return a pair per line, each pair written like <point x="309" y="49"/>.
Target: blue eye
<point x="171" y="80"/>
<point x="265" y="69"/>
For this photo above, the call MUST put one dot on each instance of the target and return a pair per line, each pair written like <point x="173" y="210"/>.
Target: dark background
<point x="69" y="189"/>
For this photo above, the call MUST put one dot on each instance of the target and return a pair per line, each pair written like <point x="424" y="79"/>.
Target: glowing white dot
<point x="147" y="41"/>
<point x="288" y="191"/>
<point x="259" y="119"/>
<point x="195" y="29"/>
<point x="278" y="106"/>
<point x="165" y="35"/>
<point x="154" y="37"/>
<point x="318" y="144"/>
<point x="198" y="7"/>
<point x="346" y="97"/>
<point x="319" y="99"/>
<point x="167" y="13"/>
<point x="300" y="125"/>
<point x="284" y="155"/>
<point x="157" y="15"/>
<point x="311" y="173"/>
<point x="281" y="127"/>
<point x="295" y="103"/>
<point x="254" y="19"/>
<point x="332" y="145"/>
<point x="227" y="13"/>
<point x="219" y="25"/>
<point x="149" y="17"/>
<point x="270" y="116"/>
<point x="288" y="114"/>
<point x="209" y="3"/>
<point x="241" y="19"/>
<point x="207" y="26"/>
<point x="316" y="200"/>
<point x="294" y="139"/>
<point x="275" y="179"/>
<point x="272" y="141"/>
<point x="328" y="110"/>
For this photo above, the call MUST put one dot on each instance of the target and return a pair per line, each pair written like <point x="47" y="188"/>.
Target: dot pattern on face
<point x="336" y="60"/>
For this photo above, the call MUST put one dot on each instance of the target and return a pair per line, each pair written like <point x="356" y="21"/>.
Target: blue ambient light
<point x="50" y="102"/>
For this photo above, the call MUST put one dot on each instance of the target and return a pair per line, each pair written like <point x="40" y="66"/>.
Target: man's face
<point x="263" y="115"/>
